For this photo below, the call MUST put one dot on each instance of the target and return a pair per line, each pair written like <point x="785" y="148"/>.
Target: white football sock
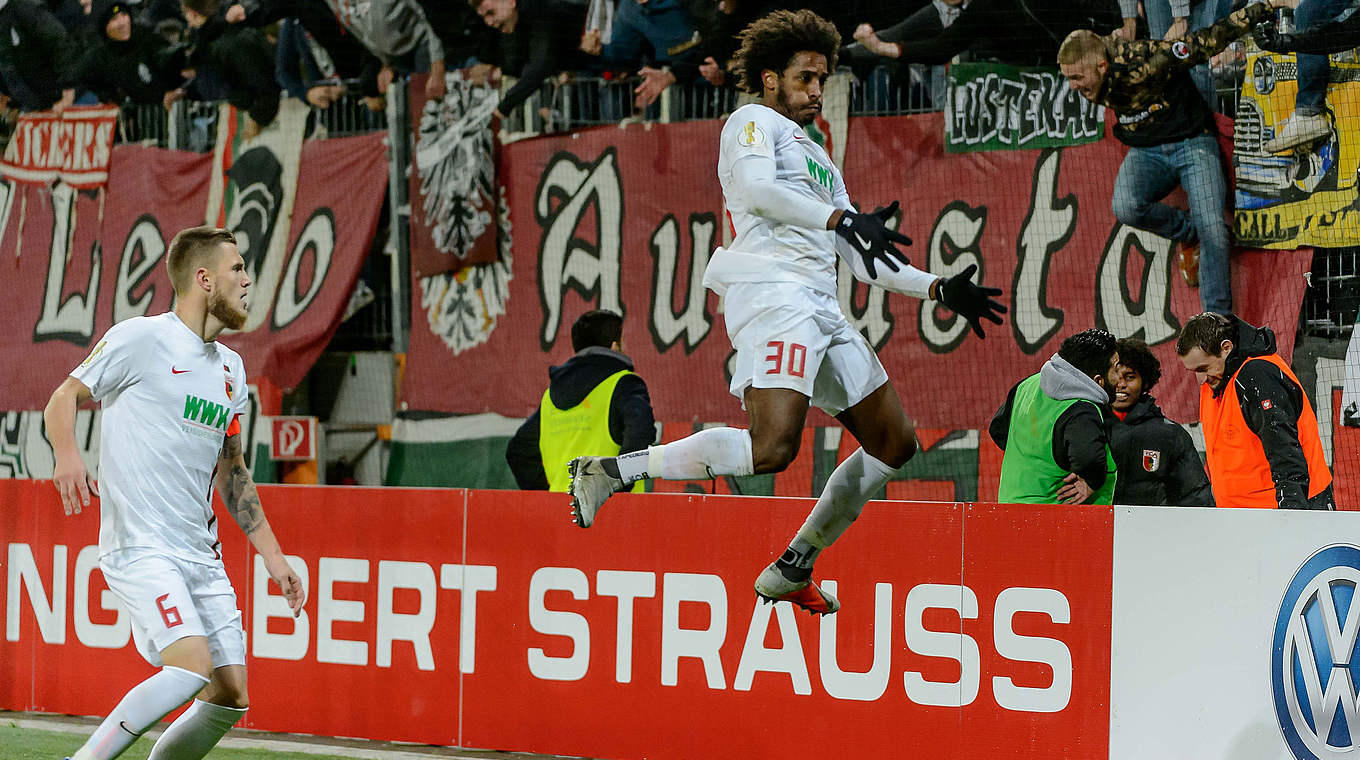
<point x="196" y="732"/>
<point x="140" y="709"/>
<point x="850" y="486"/>
<point x="707" y="453"/>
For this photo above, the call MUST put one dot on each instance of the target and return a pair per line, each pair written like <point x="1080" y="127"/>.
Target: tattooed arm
<point x="243" y="502"/>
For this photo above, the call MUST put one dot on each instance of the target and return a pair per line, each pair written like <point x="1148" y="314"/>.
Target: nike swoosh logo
<point x="174" y="371"/>
<point x="862" y="244"/>
<point x="123" y="725"/>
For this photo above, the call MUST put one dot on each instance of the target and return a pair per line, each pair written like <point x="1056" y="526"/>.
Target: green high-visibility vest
<point x="581" y="430"/>
<point x="1029" y="474"/>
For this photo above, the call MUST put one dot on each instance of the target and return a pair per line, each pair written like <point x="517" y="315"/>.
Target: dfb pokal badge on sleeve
<point x="1315" y="665"/>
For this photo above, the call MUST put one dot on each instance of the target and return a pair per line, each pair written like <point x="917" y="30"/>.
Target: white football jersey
<point x="168" y="401"/>
<point x="761" y="248"/>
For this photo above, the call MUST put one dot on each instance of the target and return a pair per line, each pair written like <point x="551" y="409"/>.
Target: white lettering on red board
<point x="42" y="582"/>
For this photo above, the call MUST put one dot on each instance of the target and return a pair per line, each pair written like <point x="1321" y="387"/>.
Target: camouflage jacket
<point x="1148" y="84"/>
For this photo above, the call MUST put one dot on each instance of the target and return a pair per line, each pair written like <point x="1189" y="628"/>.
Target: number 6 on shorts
<point x="169" y="614"/>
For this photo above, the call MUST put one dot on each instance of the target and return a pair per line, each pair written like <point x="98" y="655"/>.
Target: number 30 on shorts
<point x="781" y="362"/>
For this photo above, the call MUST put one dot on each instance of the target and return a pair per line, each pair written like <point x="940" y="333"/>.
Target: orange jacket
<point x="1254" y="412"/>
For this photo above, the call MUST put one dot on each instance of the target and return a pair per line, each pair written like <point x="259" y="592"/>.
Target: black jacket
<point x="1156" y="460"/>
<point x="137" y="69"/>
<point x="1271" y="404"/>
<point x="1336" y="36"/>
<point x="1019" y="32"/>
<point x="36" y="55"/>
<point x="243" y="58"/>
<point x="1080" y="437"/>
<point x="352" y="60"/>
<point x="545" y="41"/>
<point x="631" y="423"/>
<point x="1148" y="84"/>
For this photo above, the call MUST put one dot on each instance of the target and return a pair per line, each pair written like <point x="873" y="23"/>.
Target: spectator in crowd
<point x="1155" y="458"/>
<point x="655" y="33"/>
<point x="1171" y="20"/>
<point x="873" y="47"/>
<point x="718" y="24"/>
<point x="1309" y="121"/>
<point x="1170" y="133"/>
<point x="1336" y="36"/>
<point x="396" y="31"/>
<point x="538" y="39"/>
<point x="36" y="58"/>
<point x="1055" y="427"/>
<point x="241" y="58"/>
<point x="1017" y="32"/>
<point x="130" y="61"/>
<point x="303" y="68"/>
<point x="1260" y="434"/>
<point x="350" y="59"/>
<point x="468" y="43"/>
<point x="595" y="404"/>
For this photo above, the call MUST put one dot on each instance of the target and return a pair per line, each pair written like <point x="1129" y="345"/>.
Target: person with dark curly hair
<point x="791" y="216"/>
<point x="1054" y="427"/>
<point x="1157" y="461"/>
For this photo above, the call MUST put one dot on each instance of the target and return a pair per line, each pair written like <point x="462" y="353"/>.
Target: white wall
<point x="1197" y="594"/>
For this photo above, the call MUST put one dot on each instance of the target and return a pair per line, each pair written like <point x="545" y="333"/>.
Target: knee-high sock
<point x="148" y="702"/>
<point x="196" y="732"/>
<point x="716" y="451"/>
<point x="847" y="490"/>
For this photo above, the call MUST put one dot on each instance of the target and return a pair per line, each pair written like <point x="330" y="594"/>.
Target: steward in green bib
<point x="1055" y="427"/>
<point x="595" y="404"/>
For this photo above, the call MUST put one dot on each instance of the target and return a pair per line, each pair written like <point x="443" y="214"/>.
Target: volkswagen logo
<point x="1315" y="665"/>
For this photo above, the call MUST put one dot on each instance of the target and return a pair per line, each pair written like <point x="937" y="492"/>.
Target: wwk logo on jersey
<point x="820" y="174"/>
<point x="206" y="413"/>
<point x="1315" y="665"/>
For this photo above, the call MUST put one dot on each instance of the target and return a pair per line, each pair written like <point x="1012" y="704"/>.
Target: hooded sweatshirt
<point x="1080" y="438"/>
<point x="631" y="423"/>
<point x="1156" y="460"/>
<point x="139" y="68"/>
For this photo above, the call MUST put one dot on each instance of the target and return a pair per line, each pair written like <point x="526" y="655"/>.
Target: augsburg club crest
<point x="1152" y="460"/>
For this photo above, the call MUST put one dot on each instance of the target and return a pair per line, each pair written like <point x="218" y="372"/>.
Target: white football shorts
<point x="169" y="598"/>
<point x="787" y="335"/>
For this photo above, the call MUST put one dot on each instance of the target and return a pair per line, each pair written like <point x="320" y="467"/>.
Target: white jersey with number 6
<point x="763" y="250"/>
<point x="169" y="400"/>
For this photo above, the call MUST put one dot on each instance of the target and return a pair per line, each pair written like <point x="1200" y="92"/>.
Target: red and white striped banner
<point x="73" y="146"/>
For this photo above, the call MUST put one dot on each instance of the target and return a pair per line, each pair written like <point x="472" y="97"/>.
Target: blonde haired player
<point x="791" y="216"/>
<point x="171" y="395"/>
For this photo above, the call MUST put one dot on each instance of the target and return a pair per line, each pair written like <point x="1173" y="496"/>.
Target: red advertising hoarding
<point x="485" y="619"/>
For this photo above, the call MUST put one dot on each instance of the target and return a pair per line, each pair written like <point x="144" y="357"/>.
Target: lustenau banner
<point x="627" y="220"/>
<point x="993" y="106"/>
<point x="71" y="275"/>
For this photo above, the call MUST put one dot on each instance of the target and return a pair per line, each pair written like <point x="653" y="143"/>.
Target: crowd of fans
<point x="57" y="52"/>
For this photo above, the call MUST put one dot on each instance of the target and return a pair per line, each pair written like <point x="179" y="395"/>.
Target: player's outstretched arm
<point x="869" y="236"/>
<point x="73" y="482"/>
<point x="969" y="300"/>
<point x="238" y="491"/>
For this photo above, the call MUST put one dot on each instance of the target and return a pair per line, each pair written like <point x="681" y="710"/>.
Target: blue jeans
<point x="1314" y="70"/>
<point x="1149" y="174"/>
<point x="1202" y="13"/>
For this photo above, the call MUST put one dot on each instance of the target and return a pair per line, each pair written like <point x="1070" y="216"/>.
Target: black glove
<point x="1268" y="37"/>
<point x="869" y="235"/>
<point x="971" y="301"/>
